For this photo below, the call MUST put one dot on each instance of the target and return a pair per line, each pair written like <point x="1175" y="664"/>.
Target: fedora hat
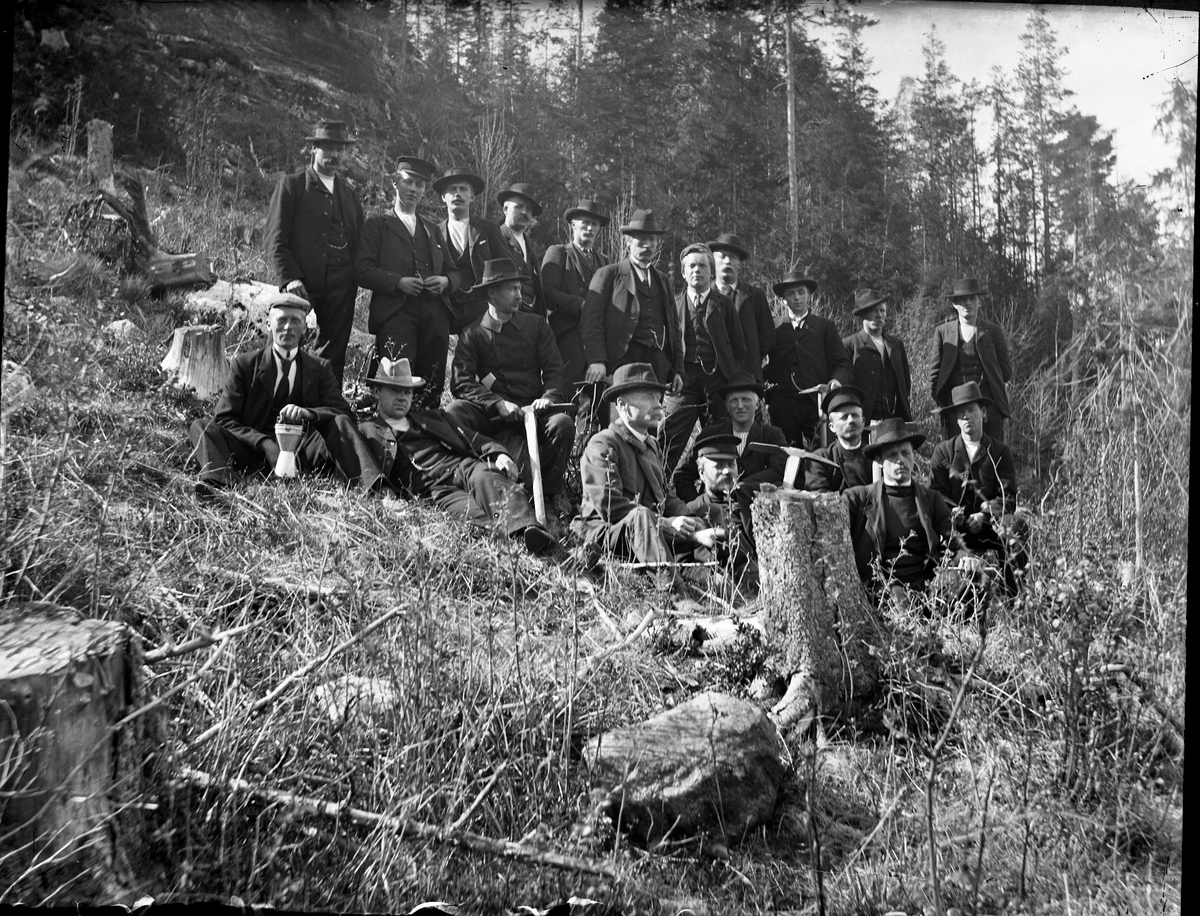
<point x="283" y="300"/>
<point x="967" y="286"/>
<point x="967" y="393"/>
<point x="497" y="270"/>
<point x="525" y="192"/>
<point x="727" y="241"/>
<point x="452" y="176"/>
<point x="587" y="207"/>
<point x="334" y="131"/>
<point x="841" y="397"/>
<point x="632" y="377"/>
<point x="643" y="221"/>
<point x="741" y="381"/>
<point x="891" y="431"/>
<point x="865" y="299"/>
<point x="426" y="170"/>
<point x="718" y="445"/>
<point x="395" y="373"/>
<point x="794" y="278"/>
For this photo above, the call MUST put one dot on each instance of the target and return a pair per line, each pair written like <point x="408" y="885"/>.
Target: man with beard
<point x="566" y="272"/>
<point x="718" y="506"/>
<point x="880" y="361"/>
<point x="521" y="211"/>
<point x="472" y="240"/>
<point x="843" y="407"/>
<point x="750" y="302"/>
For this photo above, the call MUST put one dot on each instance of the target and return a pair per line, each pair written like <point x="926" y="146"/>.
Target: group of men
<point x="538" y="331"/>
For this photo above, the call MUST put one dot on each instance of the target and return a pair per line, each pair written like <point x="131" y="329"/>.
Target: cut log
<point x="815" y="611"/>
<point x="100" y="155"/>
<point x="197" y="359"/>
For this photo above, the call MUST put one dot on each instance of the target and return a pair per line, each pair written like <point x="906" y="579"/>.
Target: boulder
<point x="371" y="697"/>
<point x="124" y="329"/>
<point x="240" y="302"/>
<point x="711" y="765"/>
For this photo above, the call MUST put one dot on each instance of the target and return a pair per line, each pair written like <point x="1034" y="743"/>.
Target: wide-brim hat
<point x="965" y="288"/>
<point x="417" y="166"/>
<point x="334" y="131"/>
<point x="453" y="176"/>
<point x="891" y="431"/>
<point x="718" y="445"/>
<point x="840" y="397"/>
<point x="727" y="241"/>
<point x="633" y="377"/>
<point x="741" y="381"/>
<point x="794" y="278"/>
<point x="283" y="300"/>
<point x="643" y="221"/>
<point x="525" y="192"/>
<point x="865" y="299"/>
<point x="966" y="393"/>
<point x="395" y="373"/>
<point x="584" y="208"/>
<point x="497" y="270"/>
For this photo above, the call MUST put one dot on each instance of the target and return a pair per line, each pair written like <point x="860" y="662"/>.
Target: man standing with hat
<point x="628" y="508"/>
<point x="969" y="349"/>
<point x="507" y="361"/>
<point x="750" y="302"/>
<point x="807" y="360"/>
<point x="880" y="361"/>
<point x="279" y="383"/>
<point x="472" y="240"/>
<point x="566" y="272"/>
<point x="844" y="408"/>
<point x="521" y="210"/>
<point x="426" y="454"/>
<point x="313" y="225"/>
<point x="404" y="259"/>
<point x="628" y="313"/>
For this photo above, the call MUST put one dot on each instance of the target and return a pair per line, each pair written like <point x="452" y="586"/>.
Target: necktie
<point x="283" y="388"/>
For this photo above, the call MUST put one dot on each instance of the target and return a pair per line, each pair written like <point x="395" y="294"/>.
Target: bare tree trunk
<point x="793" y="180"/>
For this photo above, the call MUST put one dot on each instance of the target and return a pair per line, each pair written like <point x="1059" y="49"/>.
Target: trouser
<point x="697" y="400"/>
<point x="556" y="433"/>
<point x="636" y="537"/>
<point x="333" y="304"/>
<point x="419" y="332"/>
<point x="486" y="498"/>
<point x="796" y="416"/>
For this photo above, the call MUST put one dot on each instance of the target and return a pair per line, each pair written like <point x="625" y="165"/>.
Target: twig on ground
<point x="170" y="650"/>
<point x="483" y="793"/>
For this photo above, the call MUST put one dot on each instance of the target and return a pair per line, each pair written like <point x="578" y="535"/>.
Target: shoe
<point x="538" y="540"/>
<point x="209" y="488"/>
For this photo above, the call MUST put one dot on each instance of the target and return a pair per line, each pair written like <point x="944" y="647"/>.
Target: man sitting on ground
<point x="716" y="464"/>
<point x="844" y="407"/>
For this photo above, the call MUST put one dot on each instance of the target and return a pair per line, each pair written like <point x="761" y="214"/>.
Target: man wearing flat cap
<point x="844" y="409"/>
<point x="750" y="302"/>
<point x="505" y="362"/>
<point x="880" y="361"/>
<point x="472" y="240"/>
<point x="521" y="211"/>
<point x="279" y="383"/>
<point x="716" y="461"/>
<point x="567" y="270"/>
<point x="629" y="313"/>
<point x="404" y="259"/>
<point x="313" y="225"/>
<point x="425" y="454"/>
<point x="807" y="360"/>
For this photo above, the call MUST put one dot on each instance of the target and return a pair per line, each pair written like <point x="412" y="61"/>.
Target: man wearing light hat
<point x="750" y="302"/>
<point x="843" y="407"/>
<point x="880" y="361"/>
<point x="313" y="225"/>
<point x="279" y="383"/>
<point x="566" y="272"/>
<point x="521" y="211"/>
<point x="404" y="259"/>
<point x="427" y="454"/>
<point x="473" y="241"/>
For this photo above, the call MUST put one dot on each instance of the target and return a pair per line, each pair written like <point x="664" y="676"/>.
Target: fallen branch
<point x="170" y="650"/>
<point x="483" y="793"/>
<point x="276" y="582"/>
<point x="403" y="826"/>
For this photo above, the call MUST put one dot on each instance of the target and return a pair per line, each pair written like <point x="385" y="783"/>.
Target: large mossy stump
<point x="815" y="611"/>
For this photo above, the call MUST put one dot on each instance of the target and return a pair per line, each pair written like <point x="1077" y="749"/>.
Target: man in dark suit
<point x="750" y="302"/>
<point x="521" y="211"/>
<point x="880" y="361"/>
<point x="807" y="361"/>
<point x="566" y="272"/>
<point x="426" y="454"/>
<point x="718" y="506"/>
<point x="313" y="226"/>
<point x="472" y="241"/>
<point x="279" y="383"/>
<point x="969" y="349"/>
<point x="843" y="407"/>
<point x="404" y="259"/>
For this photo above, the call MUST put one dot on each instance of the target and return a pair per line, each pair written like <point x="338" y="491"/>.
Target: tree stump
<point x="197" y="359"/>
<point x="100" y="155"/>
<point x="815" y="612"/>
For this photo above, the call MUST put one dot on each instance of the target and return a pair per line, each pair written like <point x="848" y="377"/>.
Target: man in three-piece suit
<point x="472" y="240"/>
<point x="880" y="361"/>
<point x="404" y="259"/>
<point x="313" y="225"/>
<point x="750" y="302"/>
<point x="566" y="272"/>
<point x="521" y="211"/>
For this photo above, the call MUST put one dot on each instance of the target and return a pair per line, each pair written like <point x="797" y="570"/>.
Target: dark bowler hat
<point x="865" y="299"/>
<point x="633" y="377"/>
<point x="426" y="170"/>
<point x="741" y="381"/>
<point x="967" y="393"/>
<point x="643" y="221"/>
<point x="282" y="300"/>
<point x="497" y="270"/>
<point x="333" y="131"/>
<point x="842" y="397"/>
<point x="587" y="208"/>
<point x="967" y="286"/>
<point x="452" y="176"/>
<point x="525" y="192"/>
<point x="727" y="241"/>
<point x="718" y="445"/>
<point x="794" y="278"/>
<point x="395" y="373"/>
<point x="890" y="432"/>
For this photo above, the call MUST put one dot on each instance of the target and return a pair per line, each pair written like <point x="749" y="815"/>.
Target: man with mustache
<point x="521" y="211"/>
<point x="750" y="302"/>
<point x="313" y="226"/>
<point x="473" y="241"/>
<point x="844" y="408"/>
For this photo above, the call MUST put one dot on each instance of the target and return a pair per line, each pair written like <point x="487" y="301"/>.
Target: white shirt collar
<point x="796" y="322"/>
<point x="409" y="219"/>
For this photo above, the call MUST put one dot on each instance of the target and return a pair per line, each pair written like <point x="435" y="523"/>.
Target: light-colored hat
<point x="395" y="373"/>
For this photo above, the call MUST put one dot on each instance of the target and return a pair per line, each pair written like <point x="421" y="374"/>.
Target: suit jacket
<point x="820" y="477"/>
<point x="385" y="255"/>
<point x="520" y="355"/>
<point x="566" y="274"/>
<point x="484" y="243"/>
<point x="610" y="316"/>
<point x="468" y="446"/>
<point x="754" y="468"/>
<point x="969" y="484"/>
<point x="244" y="408"/>
<point x="811" y="356"/>
<point x="723" y="326"/>
<point x="758" y="326"/>
<point x="992" y="350"/>
<point x="868" y="371"/>
<point x="531" y="286"/>
<point x="868" y="526"/>
<point x="296" y="238"/>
